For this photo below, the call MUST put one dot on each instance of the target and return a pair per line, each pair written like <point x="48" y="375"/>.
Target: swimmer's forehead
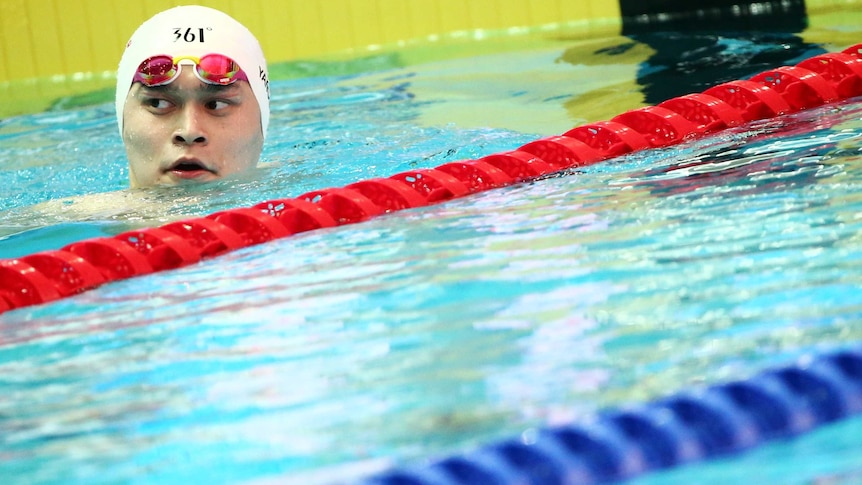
<point x="199" y="86"/>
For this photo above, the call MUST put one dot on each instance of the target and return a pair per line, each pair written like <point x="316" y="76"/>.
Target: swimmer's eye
<point x="217" y="104"/>
<point x="157" y="103"/>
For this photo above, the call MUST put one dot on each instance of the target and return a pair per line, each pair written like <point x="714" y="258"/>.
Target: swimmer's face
<point x="190" y="131"/>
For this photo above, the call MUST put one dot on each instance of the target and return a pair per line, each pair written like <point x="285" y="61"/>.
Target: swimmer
<point x="192" y="104"/>
<point x="192" y="98"/>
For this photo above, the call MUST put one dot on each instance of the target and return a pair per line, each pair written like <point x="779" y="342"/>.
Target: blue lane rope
<point x="689" y="426"/>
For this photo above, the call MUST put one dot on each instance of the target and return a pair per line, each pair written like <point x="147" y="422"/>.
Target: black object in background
<point x="700" y="44"/>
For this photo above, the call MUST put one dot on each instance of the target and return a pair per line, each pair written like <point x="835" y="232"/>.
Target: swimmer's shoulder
<point x="137" y="207"/>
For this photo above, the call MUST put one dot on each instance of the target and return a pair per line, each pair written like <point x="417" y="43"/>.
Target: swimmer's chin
<point x="170" y="179"/>
<point x="188" y="177"/>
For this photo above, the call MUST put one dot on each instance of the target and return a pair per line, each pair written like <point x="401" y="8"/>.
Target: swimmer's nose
<point x="190" y="131"/>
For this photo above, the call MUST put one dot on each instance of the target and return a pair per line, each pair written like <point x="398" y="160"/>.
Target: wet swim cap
<point x="195" y="31"/>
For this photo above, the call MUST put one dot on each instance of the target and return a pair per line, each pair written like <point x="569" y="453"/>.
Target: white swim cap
<point x="195" y="31"/>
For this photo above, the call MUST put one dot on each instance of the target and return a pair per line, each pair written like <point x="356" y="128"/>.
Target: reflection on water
<point x="693" y="62"/>
<point x="335" y="353"/>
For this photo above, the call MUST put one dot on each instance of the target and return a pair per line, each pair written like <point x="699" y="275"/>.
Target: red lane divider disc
<point x="476" y="175"/>
<point x="208" y="236"/>
<point x="801" y="88"/>
<point x="163" y="249"/>
<point x="253" y="226"/>
<point x="434" y="185"/>
<point x="23" y="286"/>
<point x="70" y="273"/>
<point x="610" y="138"/>
<point x="113" y="258"/>
<point x="707" y="113"/>
<point x="660" y="126"/>
<point x="842" y="71"/>
<point x="344" y="205"/>
<point x="519" y="165"/>
<point x="563" y="152"/>
<point x="754" y="100"/>
<point x="297" y="215"/>
<point x="390" y="194"/>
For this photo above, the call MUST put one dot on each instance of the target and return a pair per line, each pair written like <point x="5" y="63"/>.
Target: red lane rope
<point x="77" y="267"/>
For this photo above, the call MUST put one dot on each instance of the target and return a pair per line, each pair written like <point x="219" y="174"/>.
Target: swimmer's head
<point x="195" y="31"/>
<point x="192" y="97"/>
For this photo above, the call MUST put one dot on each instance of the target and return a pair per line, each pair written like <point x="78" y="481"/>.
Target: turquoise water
<point x="333" y="354"/>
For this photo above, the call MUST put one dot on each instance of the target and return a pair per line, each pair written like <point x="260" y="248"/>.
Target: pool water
<point x="338" y="353"/>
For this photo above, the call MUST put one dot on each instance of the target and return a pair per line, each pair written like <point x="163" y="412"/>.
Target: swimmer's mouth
<point x="189" y="167"/>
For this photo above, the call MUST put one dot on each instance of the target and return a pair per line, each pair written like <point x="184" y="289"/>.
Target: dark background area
<point x="700" y="44"/>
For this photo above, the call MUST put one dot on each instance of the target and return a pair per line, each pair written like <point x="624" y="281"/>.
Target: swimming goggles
<point x="211" y="69"/>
